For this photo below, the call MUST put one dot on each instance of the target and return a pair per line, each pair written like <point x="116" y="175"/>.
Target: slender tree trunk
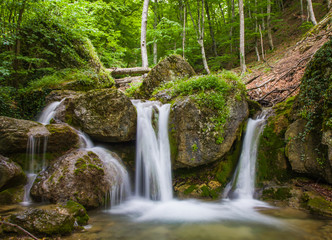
<point x="263" y="20"/>
<point x="268" y="22"/>
<point x="144" y="24"/>
<point x="200" y="32"/>
<point x="155" y="47"/>
<point x="232" y="19"/>
<point x="222" y="13"/>
<point x="311" y="13"/>
<point x="184" y="30"/>
<point x="214" y="45"/>
<point x="242" y="40"/>
<point x="329" y="4"/>
<point x="256" y="32"/>
<point x="302" y="12"/>
<point x="262" y="43"/>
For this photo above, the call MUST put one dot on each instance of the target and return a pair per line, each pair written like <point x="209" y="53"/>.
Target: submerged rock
<point x="169" y="69"/>
<point x="79" y="176"/>
<point x="41" y="221"/>
<point x="15" y="133"/>
<point x="105" y="115"/>
<point x="194" y="135"/>
<point x="11" y="174"/>
<point x="303" y="153"/>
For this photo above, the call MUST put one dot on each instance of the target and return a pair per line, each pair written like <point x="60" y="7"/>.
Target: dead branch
<point x="127" y="80"/>
<point x="276" y="90"/>
<point x="270" y="80"/>
<point x="20" y="228"/>
<point x="253" y="79"/>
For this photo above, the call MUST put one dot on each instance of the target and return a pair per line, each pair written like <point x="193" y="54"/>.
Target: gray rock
<point x="105" y="115"/>
<point x="302" y="153"/>
<point x="11" y="174"/>
<point x="79" y="176"/>
<point x="193" y="136"/>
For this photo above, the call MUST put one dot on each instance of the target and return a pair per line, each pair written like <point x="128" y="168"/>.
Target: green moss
<point x="78" y="211"/>
<point x="280" y="194"/>
<point x="317" y="205"/>
<point x="11" y="195"/>
<point x="208" y="192"/>
<point x="254" y="107"/>
<point x="190" y="189"/>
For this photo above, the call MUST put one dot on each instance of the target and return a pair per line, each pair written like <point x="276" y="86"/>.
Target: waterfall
<point x="49" y="112"/>
<point x="153" y="164"/>
<point x="242" y="185"/>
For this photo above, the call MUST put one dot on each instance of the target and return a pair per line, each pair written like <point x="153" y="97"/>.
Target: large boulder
<point x="171" y="68"/>
<point x="105" y="115"/>
<point x="11" y="174"/>
<point x="15" y="134"/>
<point x="193" y="131"/>
<point x="80" y="176"/>
<point x="304" y="154"/>
<point x="44" y="221"/>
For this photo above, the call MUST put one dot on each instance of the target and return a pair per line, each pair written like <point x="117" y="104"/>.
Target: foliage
<point x="315" y="98"/>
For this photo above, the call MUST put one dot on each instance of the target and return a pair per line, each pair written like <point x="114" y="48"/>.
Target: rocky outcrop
<point x="79" y="176"/>
<point x="193" y="135"/>
<point x="11" y="174"/>
<point x="303" y="152"/>
<point x="15" y="133"/>
<point x="42" y="221"/>
<point x="105" y="115"/>
<point x="171" y="68"/>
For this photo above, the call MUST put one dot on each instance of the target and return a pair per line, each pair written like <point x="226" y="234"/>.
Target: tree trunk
<point x="184" y="30"/>
<point x="268" y="22"/>
<point x="302" y="13"/>
<point x="311" y="13"/>
<point x="155" y="47"/>
<point x="329" y="4"/>
<point x="214" y="45"/>
<point x="129" y="71"/>
<point x="222" y="13"/>
<point x="256" y="32"/>
<point x="200" y="32"/>
<point x="144" y="24"/>
<point x="242" y="53"/>
<point x="262" y="43"/>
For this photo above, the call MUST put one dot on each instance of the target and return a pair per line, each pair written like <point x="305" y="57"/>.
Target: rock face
<point x="193" y="136"/>
<point x="304" y="155"/>
<point x="77" y="176"/>
<point x="105" y="115"/>
<point x="11" y="174"/>
<point x="15" y="133"/>
<point x="169" y="69"/>
<point x="41" y="221"/>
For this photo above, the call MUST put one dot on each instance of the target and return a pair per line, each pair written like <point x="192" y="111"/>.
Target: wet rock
<point x="193" y="135"/>
<point x="12" y="195"/>
<point x="77" y="211"/>
<point x="169" y="69"/>
<point x="105" y="115"/>
<point x="11" y="174"/>
<point x="15" y="133"/>
<point x="41" y="221"/>
<point x="303" y="153"/>
<point x="79" y="176"/>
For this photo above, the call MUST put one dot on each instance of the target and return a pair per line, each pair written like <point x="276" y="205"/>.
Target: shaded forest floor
<point x="279" y="76"/>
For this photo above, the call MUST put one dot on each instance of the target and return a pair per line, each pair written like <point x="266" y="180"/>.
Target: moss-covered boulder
<point x="303" y="153"/>
<point x="15" y="134"/>
<point x="105" y="115"/>
<point x="169" y="69"/>
<point x="11" y="174"/>
<point x="44" y="222"/>
<point x="80" y="176"/>
<point x="204" y="122"/>
<point x="316" y="204"/>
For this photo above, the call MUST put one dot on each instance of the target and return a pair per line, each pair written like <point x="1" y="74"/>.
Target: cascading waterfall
<point x="49" y="112"/>
<point x="242" y="185"/>
<point x="153" y="164"/>
<point x="153" y="177"/>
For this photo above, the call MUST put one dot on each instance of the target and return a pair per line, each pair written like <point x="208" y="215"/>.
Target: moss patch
<point x="78" y="211"/>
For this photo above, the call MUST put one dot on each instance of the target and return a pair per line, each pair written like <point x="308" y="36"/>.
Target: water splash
<point x="49" y="112"/>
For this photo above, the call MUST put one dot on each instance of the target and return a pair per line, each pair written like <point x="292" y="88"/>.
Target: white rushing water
<point x="153" y="178"/>
<point x="153" y="164"/>
<point x="49" y="112"/>
<point x="242" y="185"/>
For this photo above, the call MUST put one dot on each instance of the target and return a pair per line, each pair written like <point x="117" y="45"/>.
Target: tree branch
<point x="20" y="228"/>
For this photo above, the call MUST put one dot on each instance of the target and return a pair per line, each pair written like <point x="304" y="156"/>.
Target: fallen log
<point x="129" y="71"/>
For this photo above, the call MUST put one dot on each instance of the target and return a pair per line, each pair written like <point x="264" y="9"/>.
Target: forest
<point x="170" y="119"/>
